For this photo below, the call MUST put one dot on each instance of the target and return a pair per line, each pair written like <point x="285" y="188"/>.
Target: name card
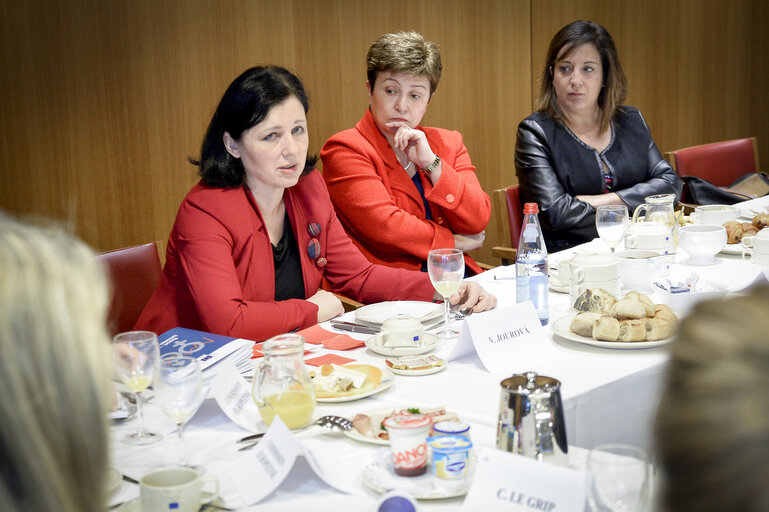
<point x="233" y="394"/>
<point x="508" y="482"/>
<point x="262" y="469"/>
<point x="500" y="335"/>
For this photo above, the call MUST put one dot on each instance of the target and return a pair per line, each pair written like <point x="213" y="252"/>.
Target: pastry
<point x="606" y="328"/>
<point x="645" y="301"/>
<point x="627" y="309"/>
<point x="761" y="220"/>
<point x="596" y="300"/>
<point x="632" y="330"/>
<point x="582" y="324"/>
<point x="734" y="231"/>
<point x="748" y="229"/>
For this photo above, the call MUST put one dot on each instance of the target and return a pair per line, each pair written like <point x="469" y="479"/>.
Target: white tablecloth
<point x="609" y="396"/>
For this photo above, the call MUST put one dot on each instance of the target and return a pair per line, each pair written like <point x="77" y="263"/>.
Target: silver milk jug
<point x="531" y="418"/>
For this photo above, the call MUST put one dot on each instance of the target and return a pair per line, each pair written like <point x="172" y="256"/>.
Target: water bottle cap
<point x="530" y="208"/>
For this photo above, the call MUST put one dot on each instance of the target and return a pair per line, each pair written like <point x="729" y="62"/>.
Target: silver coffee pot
<point x="531" y="418"/>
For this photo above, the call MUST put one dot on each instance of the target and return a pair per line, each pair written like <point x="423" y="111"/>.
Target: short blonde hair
<point x="404" y="52"/>
<point x="54" y="371"/>
<point x="712" y="430"/>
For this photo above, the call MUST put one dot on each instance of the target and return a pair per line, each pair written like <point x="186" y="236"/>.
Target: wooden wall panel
<point x="101" y="103"/>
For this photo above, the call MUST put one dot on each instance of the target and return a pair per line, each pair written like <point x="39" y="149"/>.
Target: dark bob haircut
<point x="245" y="104"/>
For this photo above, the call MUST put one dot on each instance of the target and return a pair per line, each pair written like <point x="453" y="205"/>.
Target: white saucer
<point x="135" y="505"/>
<point x="429" y="342"/>
<point x="555" y="285"/>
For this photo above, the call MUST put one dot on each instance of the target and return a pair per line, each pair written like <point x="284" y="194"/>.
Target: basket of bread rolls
<point x="629" y="319"/>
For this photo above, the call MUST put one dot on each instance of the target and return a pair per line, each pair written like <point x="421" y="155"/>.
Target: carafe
<point x="282" y="385"/>
<point x="658" y="209"/>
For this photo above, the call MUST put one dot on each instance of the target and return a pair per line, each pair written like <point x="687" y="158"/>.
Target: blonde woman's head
<point x="712" y="433"/>
<point x="53" y="371"/>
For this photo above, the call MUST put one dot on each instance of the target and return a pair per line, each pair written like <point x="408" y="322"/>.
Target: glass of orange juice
<point x="282" y="385"/>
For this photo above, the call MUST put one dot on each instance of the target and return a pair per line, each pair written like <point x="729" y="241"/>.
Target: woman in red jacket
<point x="253" y="239"/>
<point x="401" y="189"/>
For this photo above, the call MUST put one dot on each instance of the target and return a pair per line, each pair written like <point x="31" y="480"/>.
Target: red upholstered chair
<point x="134" y="273"/>
<point x="720" y="163"/>
<point x="508" y="211"/>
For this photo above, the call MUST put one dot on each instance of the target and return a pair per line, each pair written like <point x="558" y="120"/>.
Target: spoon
<point x="331" y="423"/>
<point x="462" y="313"/>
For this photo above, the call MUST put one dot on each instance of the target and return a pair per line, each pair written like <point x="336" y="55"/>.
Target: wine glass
<point x="619" y="476"/>
<point x="179" y="389"/>
<point x="611" y="221"/>
<point x="446" y="268"/>
<point x="135" y="354"/>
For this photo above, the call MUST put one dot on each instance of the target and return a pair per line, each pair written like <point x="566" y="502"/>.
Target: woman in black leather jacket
<point x="582" y="148"/>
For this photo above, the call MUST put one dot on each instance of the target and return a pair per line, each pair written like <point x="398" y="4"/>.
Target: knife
<point x="347" y="326"/>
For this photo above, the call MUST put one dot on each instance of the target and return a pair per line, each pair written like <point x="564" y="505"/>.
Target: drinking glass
<point x="135" y="354"/>
<point x="619" y="476"/>
<point x="446" y="268"/>
<point x="179" y="389"/>
<point x="611" y="221"/>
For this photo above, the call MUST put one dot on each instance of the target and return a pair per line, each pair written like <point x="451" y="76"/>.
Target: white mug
<point x="760" y="258"/>
<point x="179" y="489"/>
<point x="758" y="242"/>
<point x="714" y="214"/>
<point x="564" y="272"/>
<point x="401" y="331"/>
<point x="648" y="236"/>
<point x="637" y="268"/>
<point x="597" y="266"/>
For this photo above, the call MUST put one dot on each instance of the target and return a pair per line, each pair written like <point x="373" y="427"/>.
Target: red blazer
<point x="380" y="207"/>
<point x="219" y="274"/>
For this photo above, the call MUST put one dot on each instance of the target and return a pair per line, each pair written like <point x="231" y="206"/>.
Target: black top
<point x="553" y="166"/>
<point x="289" y="282"/>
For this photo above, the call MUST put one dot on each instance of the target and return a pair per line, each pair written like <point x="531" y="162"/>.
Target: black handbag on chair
<point x="699" y="191"/>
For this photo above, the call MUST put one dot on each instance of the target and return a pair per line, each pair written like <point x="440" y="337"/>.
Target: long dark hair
<point x="245" y="103"/>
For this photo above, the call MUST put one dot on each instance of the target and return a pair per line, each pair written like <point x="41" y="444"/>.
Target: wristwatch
<point x="430" y="168"/>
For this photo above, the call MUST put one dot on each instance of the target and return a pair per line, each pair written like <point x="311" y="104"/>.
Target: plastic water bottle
<point x="531" y="264"/>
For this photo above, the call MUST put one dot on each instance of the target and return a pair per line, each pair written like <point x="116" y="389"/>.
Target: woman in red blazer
<point x="253" y="239"/>
<point x="401" y="189"/>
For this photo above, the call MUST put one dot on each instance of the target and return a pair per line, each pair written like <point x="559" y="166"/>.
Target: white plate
<point x="387" y="381"/>
<point x="555" y="285"/>
<point x="416" y="373"/>
<point x="379" y="475"/>
<point x="561" y="328"/>
<point x="429" y="342"/>
<point x="376" y="314"/>
<point x="735" y="249"/>
<point x="136" y="504"/>
<point x="381" y="411"/>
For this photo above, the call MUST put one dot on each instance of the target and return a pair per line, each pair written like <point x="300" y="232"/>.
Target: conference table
<point x="608" y="396"/>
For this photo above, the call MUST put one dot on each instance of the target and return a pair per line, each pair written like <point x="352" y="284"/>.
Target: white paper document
<point x="233" y="394"/>
<point x="507" y="482"/>
<point x="500" y="335"/>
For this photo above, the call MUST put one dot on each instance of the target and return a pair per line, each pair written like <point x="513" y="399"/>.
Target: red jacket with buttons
<point x="380" y="207"/>
<point x="219" y="274"/>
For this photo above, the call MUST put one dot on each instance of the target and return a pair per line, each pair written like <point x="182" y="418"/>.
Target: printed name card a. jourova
<point x="508" y="482"/>
<point x="497" y="335"/>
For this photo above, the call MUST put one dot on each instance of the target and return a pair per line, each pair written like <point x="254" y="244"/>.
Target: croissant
<point x="761" y="220"/>
<point x="734" y="231"/>
<point x="749" y="229"/>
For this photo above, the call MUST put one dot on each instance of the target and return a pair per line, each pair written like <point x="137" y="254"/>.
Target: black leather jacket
<point x="554" y="166"/>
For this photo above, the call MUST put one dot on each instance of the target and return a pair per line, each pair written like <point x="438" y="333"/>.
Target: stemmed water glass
<point x="179" y="389"/>
<point x="446" y="268"/>
<point x="611" y="221"/>
<point x="619" y="476"/>
<point x="135" y="354"/>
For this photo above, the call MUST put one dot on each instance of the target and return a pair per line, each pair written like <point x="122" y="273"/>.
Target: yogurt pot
<point x="451" y="428"/>
<point x="408" y="443"/>
<point x="450" y="456"/>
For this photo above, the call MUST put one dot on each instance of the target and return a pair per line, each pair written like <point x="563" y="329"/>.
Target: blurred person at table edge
<point x="582" y="148"/>
<point x="401" y="189"/>
<point x="253" y="239"/>
<point x="54" y="372"/>
<point x="712" y="429"/>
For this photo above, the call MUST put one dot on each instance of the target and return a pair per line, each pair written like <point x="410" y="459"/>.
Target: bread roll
<point x="643" y="300"/>
<point x="582" y="324"/>
<point x="664" y="311"/>
<point x="734" y="231"/>
<point x="632" y="330"/>
<point x="606" y="328"/>
<point x="627" y="309"/>
<point x="595" y="300"/>
<point x="659" y="328"/>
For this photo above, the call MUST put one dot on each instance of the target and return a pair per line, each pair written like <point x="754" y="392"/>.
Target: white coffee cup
<point x="651" y="235"/>
<point x="564" y="272"/>
<point x="179" y="489"/>
<point x="593" y="270"/>
<point x="758" y="242"/>
<point x="401" y="331"/>
<point x="638" y="269"/>
<point x="714" y="214"/>
<point x="702" y="242"/>
<point x="760" y="258"/>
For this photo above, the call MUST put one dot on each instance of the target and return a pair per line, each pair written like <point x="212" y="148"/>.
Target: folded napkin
<point x="329" y="359"/>
<point x="331" y="340"/>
